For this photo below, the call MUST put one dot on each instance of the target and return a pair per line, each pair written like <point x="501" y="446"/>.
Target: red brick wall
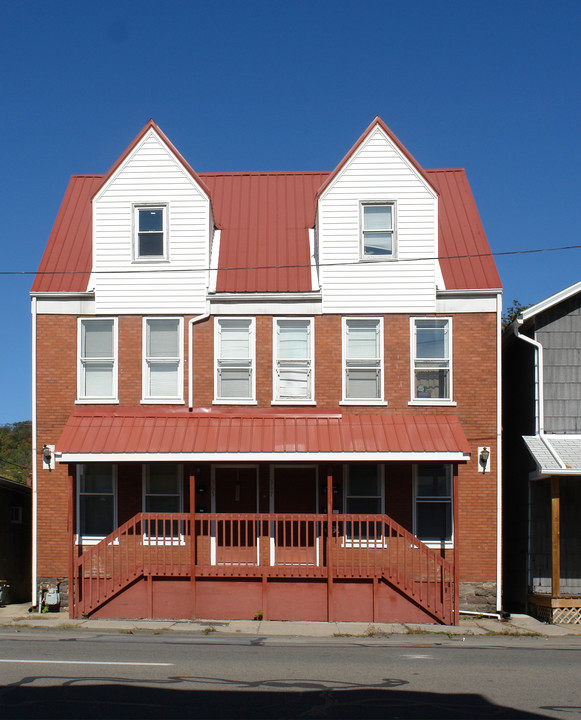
<point x="474" y="390"/>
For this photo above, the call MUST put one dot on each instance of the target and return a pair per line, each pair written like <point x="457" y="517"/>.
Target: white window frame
<point x="148" y="399"/>
<point x="308" y="363"/>
<point x="375" y="258"/>
<point x="413" y="344"/>
<point x="218" y="400"/>
<point x="83" y="361"/>
<point x="94" y="539"/>
<point x="166" y="539"/>
<point x="433" y="499"/>
<point x="364" y="542"/>
<point x="164" y="257"/>
<point x="345" y="321"/>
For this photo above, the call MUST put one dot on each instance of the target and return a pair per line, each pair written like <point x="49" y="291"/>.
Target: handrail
<point x="275" y="544"/>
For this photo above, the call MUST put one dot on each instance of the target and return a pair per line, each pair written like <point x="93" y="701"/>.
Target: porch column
<point x="555" y="538"/>
<point x="455" y="512"/>
<point x="71" y="532"/>
<point x="193" y="541"/>
<point x="329" y="543"/>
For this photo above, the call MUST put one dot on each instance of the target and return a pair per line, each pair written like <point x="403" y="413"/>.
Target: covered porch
<point x="555" y="532"/>
<point x="231" y="534"/>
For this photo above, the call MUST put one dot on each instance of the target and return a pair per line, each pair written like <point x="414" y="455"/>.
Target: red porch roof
<point x="142" y="434"/>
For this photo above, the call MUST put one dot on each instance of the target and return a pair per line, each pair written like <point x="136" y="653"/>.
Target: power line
<point x="290" y="267"/>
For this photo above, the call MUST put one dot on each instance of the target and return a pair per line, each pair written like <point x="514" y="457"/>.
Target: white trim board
<point x="279" y="457"/>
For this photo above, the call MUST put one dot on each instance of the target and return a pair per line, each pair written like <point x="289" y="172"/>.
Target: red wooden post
<point x="329" y="543"/>
<point x="73" y="591"/>
<point x="193" y="541"/>
<point x="456" y="554"/>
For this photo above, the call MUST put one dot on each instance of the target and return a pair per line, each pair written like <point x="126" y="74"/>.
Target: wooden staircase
<point x="298" y="546"/>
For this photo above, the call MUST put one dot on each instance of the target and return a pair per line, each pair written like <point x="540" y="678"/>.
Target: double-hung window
<point x="97" y="368"/>
<point x="293" y="360"/>
<point x="362" y="360"/>
<point x="433" y="503"/>
<point x="163" y="360"/>
<point x="377" y="231"/>
<point x="150" y="232"/>
<point x="162" y="494"/>
<point x="431" y="351"/>
<point x="96" y="501"/>
<point x="234" y="343"/>
<point x="364" y="496"/>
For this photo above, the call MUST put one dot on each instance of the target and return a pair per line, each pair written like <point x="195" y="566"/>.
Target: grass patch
<point x="209" y="629"/>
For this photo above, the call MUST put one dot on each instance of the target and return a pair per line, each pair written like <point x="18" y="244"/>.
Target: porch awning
<point x="555" y="454"/>
<point x="146" y="435"/>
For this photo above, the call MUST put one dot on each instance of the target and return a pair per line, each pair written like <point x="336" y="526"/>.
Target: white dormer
<point x="378" y="230"/>
<point x="151" y="232"/>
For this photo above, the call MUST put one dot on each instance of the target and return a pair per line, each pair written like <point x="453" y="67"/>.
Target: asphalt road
<point x="72" y="674"/>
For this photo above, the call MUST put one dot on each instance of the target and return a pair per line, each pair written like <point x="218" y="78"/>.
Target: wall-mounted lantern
<point x="48" y="457"/>
<point x="484" y="458"/>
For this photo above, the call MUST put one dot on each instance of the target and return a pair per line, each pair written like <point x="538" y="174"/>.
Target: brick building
<point x="268" y="393"/>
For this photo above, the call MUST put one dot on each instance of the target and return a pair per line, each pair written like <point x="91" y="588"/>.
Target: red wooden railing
<point x="281" y="545"/>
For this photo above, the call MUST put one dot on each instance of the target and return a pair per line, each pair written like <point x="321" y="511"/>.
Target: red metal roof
<point x="464" y="252"/>
<point x="264" y="220"/>
<point x="66" y="263"/>
<point x="140" y="431"/>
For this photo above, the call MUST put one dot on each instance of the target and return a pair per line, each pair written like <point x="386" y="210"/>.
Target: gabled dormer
<point x="378" y="229"/>
<point x="152" y="231"/>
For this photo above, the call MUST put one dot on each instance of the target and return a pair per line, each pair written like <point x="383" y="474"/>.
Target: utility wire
<point x="289" y="267"/>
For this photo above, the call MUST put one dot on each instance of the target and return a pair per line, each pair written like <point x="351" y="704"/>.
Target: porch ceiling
<point x="143" y="434"/>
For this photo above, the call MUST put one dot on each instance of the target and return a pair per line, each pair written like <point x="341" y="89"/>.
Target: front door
<point x="234" y="491"/>
<point x="294" y="540"/>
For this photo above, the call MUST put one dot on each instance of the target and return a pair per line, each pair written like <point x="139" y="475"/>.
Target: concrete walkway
<point x="17" y="615"/>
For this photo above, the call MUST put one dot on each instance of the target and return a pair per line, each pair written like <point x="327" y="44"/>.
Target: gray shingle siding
<point x="559" y="332"/>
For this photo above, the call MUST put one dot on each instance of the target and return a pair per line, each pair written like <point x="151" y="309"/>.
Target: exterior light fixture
<point x="483" y="458"/>
<point x="48" y="457"/>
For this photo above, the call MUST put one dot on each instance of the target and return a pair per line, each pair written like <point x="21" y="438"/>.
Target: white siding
<point x="378" y="172"/>
<point x="151" y="174"/>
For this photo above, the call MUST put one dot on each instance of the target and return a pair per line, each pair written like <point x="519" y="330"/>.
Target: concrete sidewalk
<point x="17" y="615"/>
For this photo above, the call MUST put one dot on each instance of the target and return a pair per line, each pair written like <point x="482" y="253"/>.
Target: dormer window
<point x="377" y="231"/>
<point x="151" y="232"/>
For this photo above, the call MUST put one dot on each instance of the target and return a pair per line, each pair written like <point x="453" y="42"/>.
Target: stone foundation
<point x="478" y="597"/>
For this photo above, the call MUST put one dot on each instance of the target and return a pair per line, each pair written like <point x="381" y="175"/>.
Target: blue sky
<point x="253" y="85"/>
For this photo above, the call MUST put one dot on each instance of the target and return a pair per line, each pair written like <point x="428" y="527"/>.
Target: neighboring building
<point x="15" y="545"/>
<point x="312" y="356"/>
<point x="542" y="459"/>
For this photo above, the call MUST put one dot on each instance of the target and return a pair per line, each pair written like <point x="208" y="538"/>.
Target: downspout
<point x="540" y="411"/>
<point x="34" y="457"/>
<point x="499" y="452"/>
<point x="191" y="323"/>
